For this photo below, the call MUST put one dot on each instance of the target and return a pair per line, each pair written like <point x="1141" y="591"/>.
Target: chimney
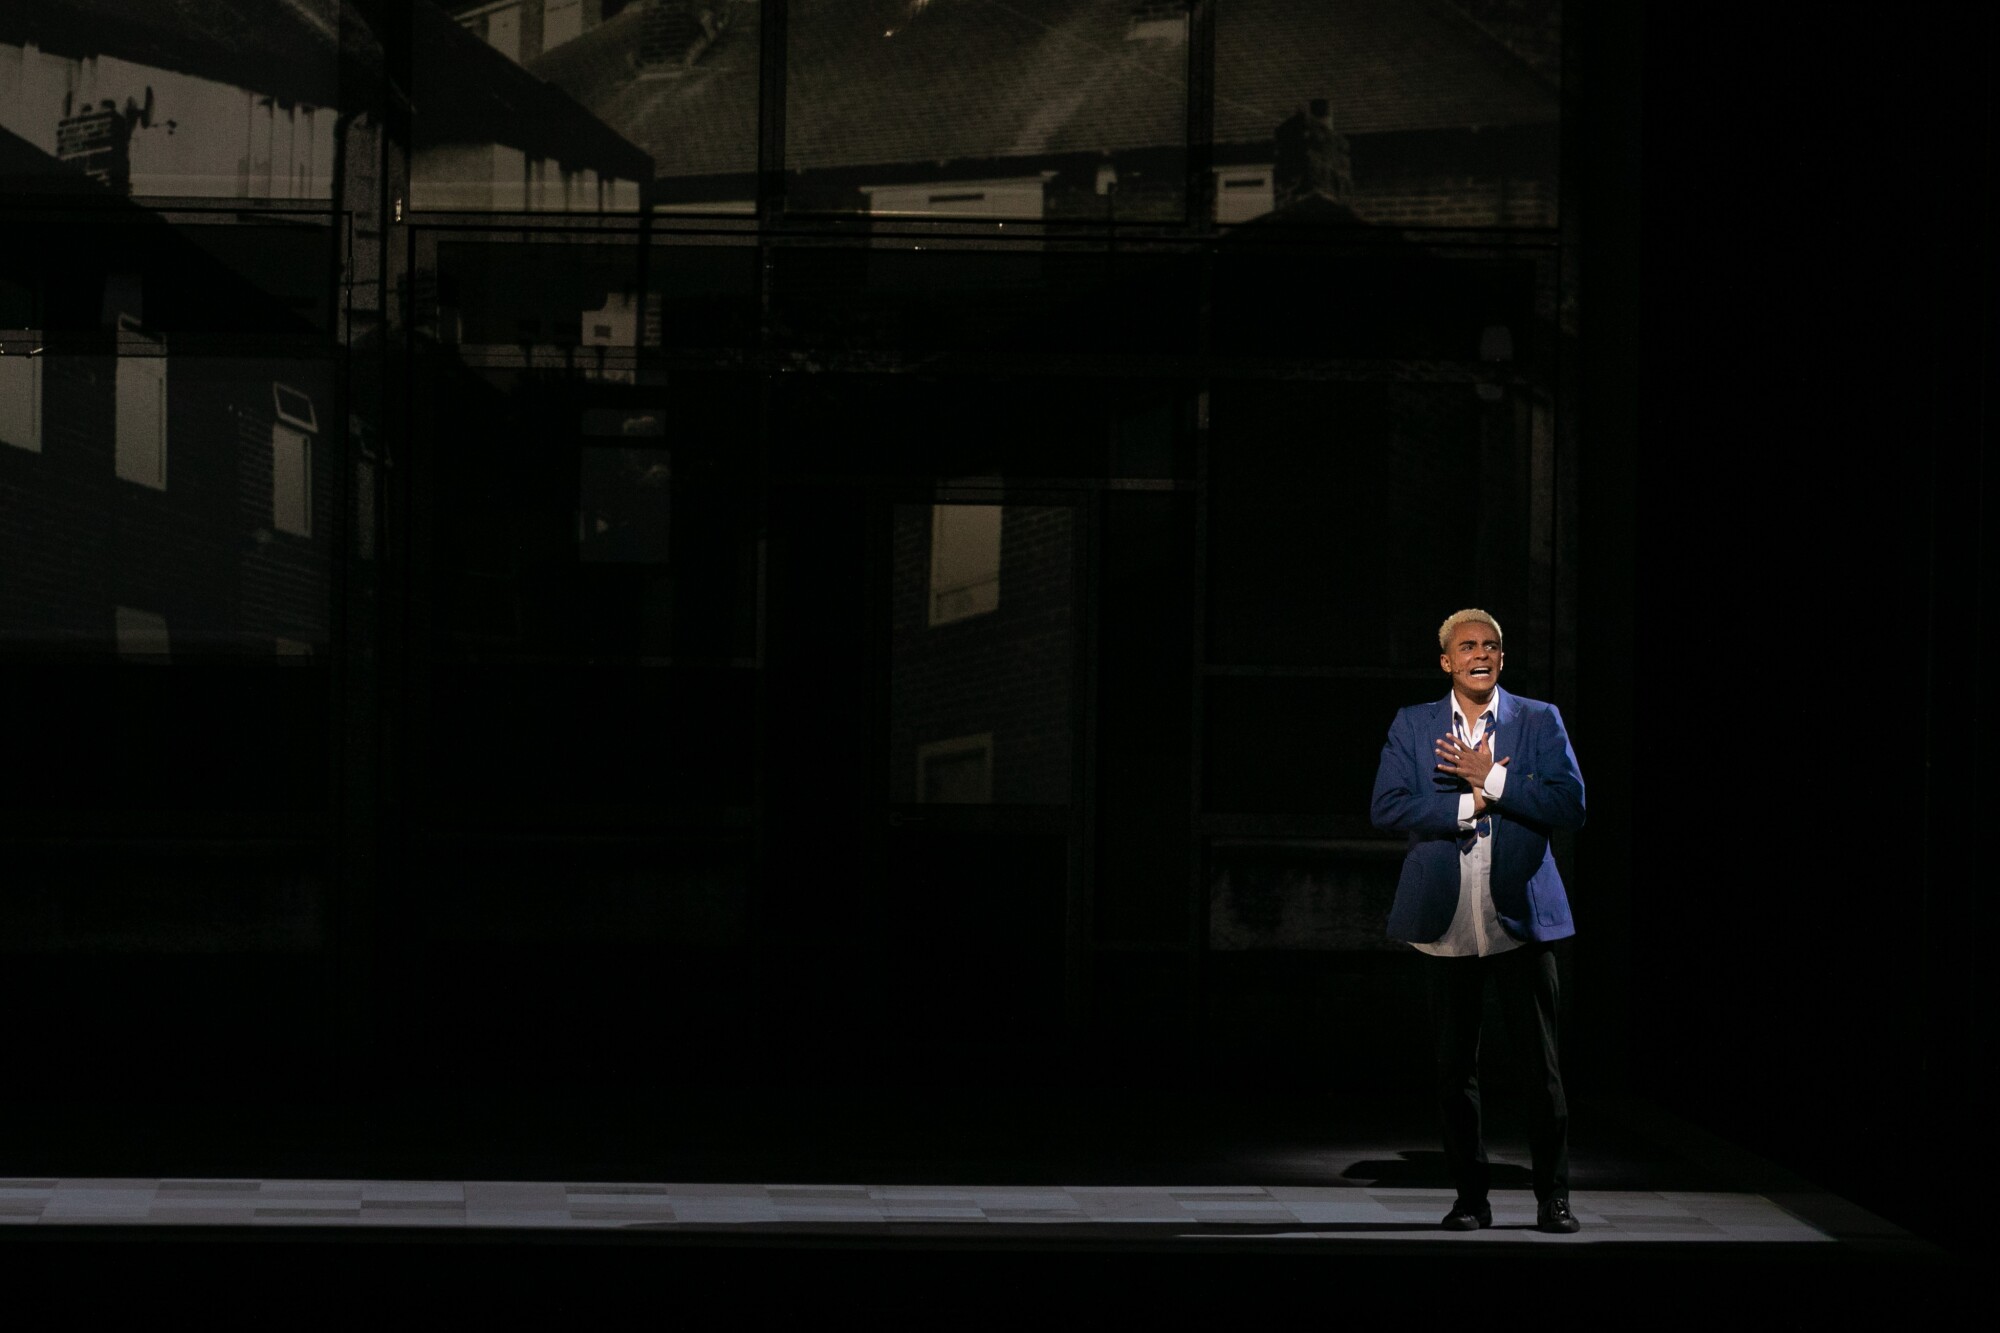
<point x="97" y="140"/>
<point x="1311" y="158"/>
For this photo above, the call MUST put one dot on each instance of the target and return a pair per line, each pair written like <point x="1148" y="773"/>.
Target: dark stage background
<point x="500" y="676"/>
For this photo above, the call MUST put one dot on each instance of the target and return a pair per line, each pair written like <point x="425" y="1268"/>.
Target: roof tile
<point x="881" y="81"/>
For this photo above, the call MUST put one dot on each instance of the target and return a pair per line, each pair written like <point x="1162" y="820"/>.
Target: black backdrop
<point x="1807" y="367"/>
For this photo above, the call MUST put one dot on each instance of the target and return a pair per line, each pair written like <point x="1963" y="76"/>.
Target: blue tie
<point x="1482" y="827"/>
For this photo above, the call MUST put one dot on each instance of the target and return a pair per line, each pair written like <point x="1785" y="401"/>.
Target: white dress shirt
<point x="1475" y="927"/>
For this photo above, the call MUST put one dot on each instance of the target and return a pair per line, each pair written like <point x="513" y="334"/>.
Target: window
<point x="965" y="561"/>
<point x="1158" y="21"/>
<point x="1020" y="198"/>
<point x="291" y="460"/>
<point x="510" y="177"/>
<point x="1242" y="193"/>
<point x="957" y="771"/>
<point x="294" y="407"/>
<point x="562" y="20"/>
<point x="142" y="635"/>
<point x="503" y="31"/>
<point x="624" y="504"/>
<point x="21" y="400"/>
<point x="140" y="405"/>
<point x="291" y="480"/>
<point x="613" y="324"/>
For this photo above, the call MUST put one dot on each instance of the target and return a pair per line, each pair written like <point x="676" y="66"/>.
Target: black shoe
<point x="1554" y="1215"/>
<point x="1467" y="1216"/>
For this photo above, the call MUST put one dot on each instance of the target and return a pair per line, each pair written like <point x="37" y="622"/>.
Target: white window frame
<point x="142" y="635"/>
<point x="21" y="381"/>
<point x="486" y="30"/>
<point x="1009" y="197"/>
<point x="937" y="590"/>
<point x="570" y="7"/>
<point x="1242" y="182"/>
<point x="980" y="743"/>
<point x="293" y="428"/>
<point x="139" y="455"/>
<point x="299" y="411"/>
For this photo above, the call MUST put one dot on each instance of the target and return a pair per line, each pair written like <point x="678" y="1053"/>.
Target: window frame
<point x="290" y="427"/>
<point x="127" y="461"/>
<point x="934" y="591"/>
<point x="978" y="743"/>
<point x="134" y="625"/>
<point x="33" y="443"/>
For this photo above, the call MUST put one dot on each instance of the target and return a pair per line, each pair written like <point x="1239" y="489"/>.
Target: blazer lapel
<point x="1505" y="715"/>
<point x="1441" y="726"/>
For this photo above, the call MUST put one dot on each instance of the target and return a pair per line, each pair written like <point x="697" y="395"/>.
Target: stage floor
<point x="1332" y="1215"/>
<point x="1181" y="1207"/>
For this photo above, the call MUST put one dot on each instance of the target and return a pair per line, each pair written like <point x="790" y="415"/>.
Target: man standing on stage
<point x="1478" y="780"/>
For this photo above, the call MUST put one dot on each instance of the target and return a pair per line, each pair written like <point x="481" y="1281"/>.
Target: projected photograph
<point x="1402" y="112"/>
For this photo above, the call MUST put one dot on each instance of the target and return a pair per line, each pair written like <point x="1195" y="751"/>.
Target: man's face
<point x="1472" y="655"/>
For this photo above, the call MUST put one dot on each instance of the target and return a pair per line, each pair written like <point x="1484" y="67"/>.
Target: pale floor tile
<point x="706" y="1210"/>
<point x="1030" y="1215"/>
<point x="520" y="1198"/>
<point x="414" y="1190"/>
<point x="911" y="1194"/>
<point x="895" y="1214"/>
<point x="1030" y="1204"/>
<point x="1770" y="1228"/>
<point x="792" y="1212"/>
<point x="1367" y="1211"/>
<point x="1612" y="1205"/>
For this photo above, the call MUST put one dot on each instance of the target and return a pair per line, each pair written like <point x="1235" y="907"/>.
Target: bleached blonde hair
<point x="1457" y="618"/>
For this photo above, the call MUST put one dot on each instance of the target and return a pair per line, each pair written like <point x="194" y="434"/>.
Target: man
<point x="1478" y="780"/>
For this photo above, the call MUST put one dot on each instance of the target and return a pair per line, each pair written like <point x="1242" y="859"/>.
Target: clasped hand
<point x="1470" y="762"/>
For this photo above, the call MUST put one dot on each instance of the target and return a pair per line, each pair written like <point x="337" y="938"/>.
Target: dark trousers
<point x="1524" y="980"/>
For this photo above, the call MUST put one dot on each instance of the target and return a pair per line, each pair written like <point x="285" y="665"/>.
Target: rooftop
<point x="875" y="81"/>
<point x="467" y="92"/>
<point x="289" y="49"/>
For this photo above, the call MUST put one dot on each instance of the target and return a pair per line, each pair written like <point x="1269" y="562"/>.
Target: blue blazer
<point x="1544" y="792"/>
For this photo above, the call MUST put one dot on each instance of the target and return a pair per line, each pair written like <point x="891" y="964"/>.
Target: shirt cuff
<point x="1465" y="811"/>
<point x="1496" y="783"/>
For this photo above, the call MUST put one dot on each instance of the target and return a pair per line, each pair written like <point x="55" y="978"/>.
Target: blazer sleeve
<point x="1406" y="799"/>
<point x="1549" y="789"/>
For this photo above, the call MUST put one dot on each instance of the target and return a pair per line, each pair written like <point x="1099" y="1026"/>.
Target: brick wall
<point x="77" y="541"/>
<point x="1008" y="672"/>
<point x="1456" y="201"/>
<point x="53" y="514"/>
